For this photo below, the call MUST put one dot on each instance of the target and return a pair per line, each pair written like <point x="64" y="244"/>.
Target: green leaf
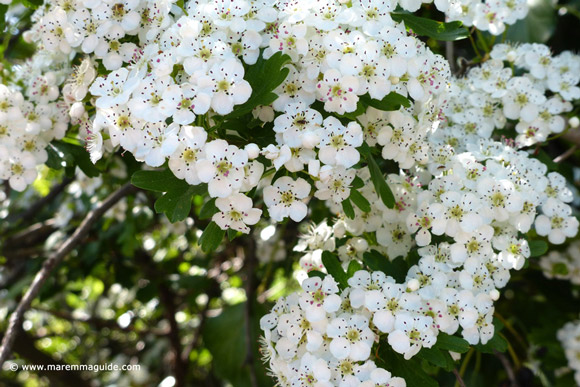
<point x="538" y="26"/>
<point x="392" y="101"/>
<point x="353" y="267"/>
<point x="431" y="28"/>
<point x="359" y="200"/>
<point x="560" y="268"/>
<point x="32" y="4"/>
<point x="316" y="273"/>
<point x="410" y="370"/>
<point x="377" y="177"/>
<point x="333" y="267"/>
<point x="538" y="248"/>
<point x="79" y="155"/>
<point x="176" y="204"/>
<point x="347" y="208"/>
<point x="451" y="343"/>
<point x="376" y="261"/>
<point x="437" y="357"/>
<point x="496" y="343"/>
<point x="208" y="209"/>
<point x="211" y="238"/>
<point x="233" y="234"/>
<point x="264" y="76"/>
<point x="357" y="183"/>
<point x="159" y="181"/>
<point x="3" y="9"/>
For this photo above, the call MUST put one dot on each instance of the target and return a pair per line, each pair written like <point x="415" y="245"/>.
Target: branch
<point x="572" y="135"/>
<point x="100" y="323"/>
<point x="566" y="154"/>
<point x="167" y="300"/>
<point x="250" y="258"/>
<point x="508" y="368"/>
<point x="27" y="349"/>
<point x="37" y="206"/>
<point x="458" y="377"/>
<point x="52" y="262"/>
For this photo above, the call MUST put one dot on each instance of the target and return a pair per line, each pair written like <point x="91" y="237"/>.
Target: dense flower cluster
<point x="522" y="87"/>
<point x="324" y="337"/>
<point x="480" y="202"/>
<point x="569" y="337"/>
<point x="169" y="85"/>
<point x="171" y="78"/>
<point x="31" y="118"/>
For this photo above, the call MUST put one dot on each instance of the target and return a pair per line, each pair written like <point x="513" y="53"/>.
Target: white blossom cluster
<point x="479" y="202"/>
<point x="564" y="265"/>
<point x="32" y="114"/>
<point x="569" y="337"/>
<point x="323" y="337"/>
<point x="491" y="16"/>
<point x="170" y="78"/>
<point x="523" y="87"/>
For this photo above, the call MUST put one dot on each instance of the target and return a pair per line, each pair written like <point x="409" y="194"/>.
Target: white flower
<point x="351" y="337"/>
<point x="183" y="162"/>
<point x="338" y="143"/>
<point x="338" y="92"/>
<point x="227" y="84"/>
<point x="223" y="168"/>
<point x="286" y="198"/>
<point x="115" y="89"/>
<point x="319" y="297"/>
<point x="236" y="212"/>
<point x="411" y="334"/>
<point x="557" y="222"/>
<point x="334" y="183"/>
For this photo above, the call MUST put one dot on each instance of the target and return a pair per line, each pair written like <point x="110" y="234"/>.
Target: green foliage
<point x="3" y="9"/>
<point x="431" y="28"/>
<point x="333" y="267"/>
<point x="67" y="155"/>
<point x="538" y="247"/>
<point x="377" y="261"/>
<point x="359" y="200"/>
<point x="410" y="370"/>
<point x="211" y="238"/>
<point x="391" y="102"/>
<point x="378" y="178"/>
<point x="264" y="76"/>
<point x="451" y="343"/>
<point x="176" y="202"/>
<point x="226" y="338"/>
<point x="538" y="26"/>
<point x="347" y="208"/>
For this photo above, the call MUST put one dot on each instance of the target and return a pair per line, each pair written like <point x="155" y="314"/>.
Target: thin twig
<point x="168" y="301"/>
<point x="37" y="206"/>
<point x="250" y="262"/>
<point x="566" y="154"/>
<point x="458" y="377"/>
<point x="450" y="55"/>
<point x="52" y="262"/>
<point x="101" y="323"/>
<point x="508" y="368"/>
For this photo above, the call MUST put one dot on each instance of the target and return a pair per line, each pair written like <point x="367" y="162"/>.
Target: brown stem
<point x="37" y="206"/>
<point x="508" y="368"/>
<point x="250" y="263"/>
<point x="52" y="262"/>
<point x="168" y="301"/>
<point x="458" y="377"/>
